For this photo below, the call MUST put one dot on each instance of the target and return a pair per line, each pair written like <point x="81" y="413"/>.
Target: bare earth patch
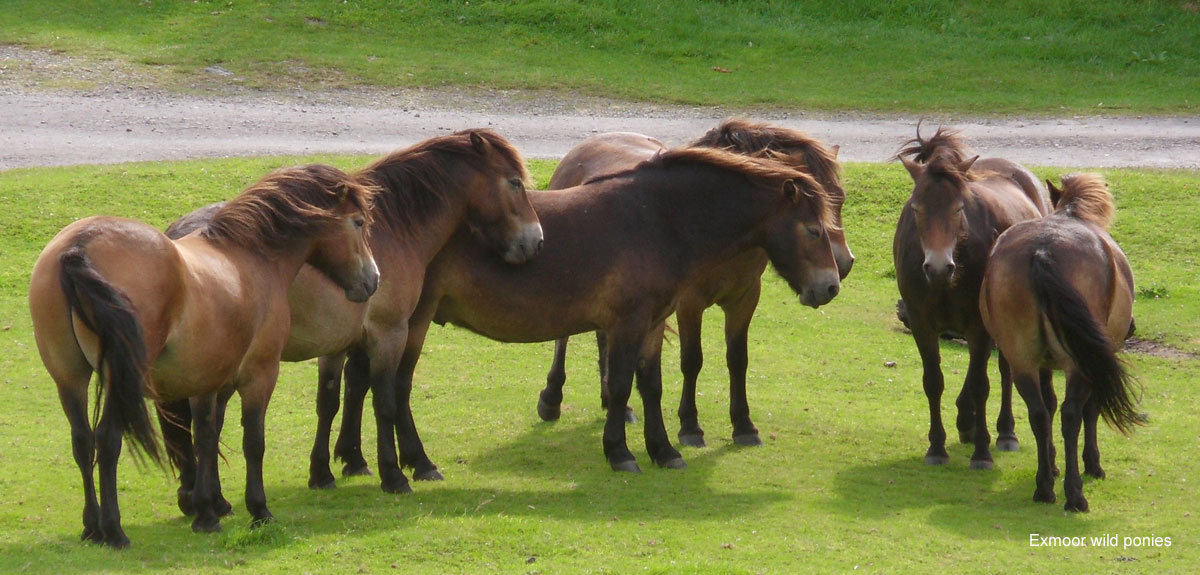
<point x="63" y="110"/>
<point x="1156" y="349"/>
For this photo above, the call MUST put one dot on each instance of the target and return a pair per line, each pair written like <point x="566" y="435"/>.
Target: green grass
<point x="1016" y="56"/>
<point x="839" y="486"/>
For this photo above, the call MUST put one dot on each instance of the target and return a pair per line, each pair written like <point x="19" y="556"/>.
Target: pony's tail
<point x="122" y="363"/>
<point x="1085" y="341"/>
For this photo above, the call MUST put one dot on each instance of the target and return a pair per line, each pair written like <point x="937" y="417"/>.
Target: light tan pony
<point x="1058" y="294"/>
<point x="194" y="318"/>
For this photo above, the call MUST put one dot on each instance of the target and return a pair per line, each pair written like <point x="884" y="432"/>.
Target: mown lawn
<point x="1018" y="56"/>
<point x="839" y="486"/>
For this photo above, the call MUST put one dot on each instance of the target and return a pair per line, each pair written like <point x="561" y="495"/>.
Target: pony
<point x="192" y="319"/>
<point x="1058" y="293"/>
<point x="735" y="285"/>
<point x="473" y="180"/>
<point x="959" y="205"/>
<point x="623" y="249"/>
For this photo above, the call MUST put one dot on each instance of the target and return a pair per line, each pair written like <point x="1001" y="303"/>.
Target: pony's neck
<point x="426" y="232"/>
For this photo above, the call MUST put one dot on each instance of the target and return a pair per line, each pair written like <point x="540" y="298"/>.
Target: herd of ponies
<point x="352" y="268"/>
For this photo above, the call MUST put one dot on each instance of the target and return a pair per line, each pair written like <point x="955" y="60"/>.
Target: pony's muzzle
<point x="365" y="287"/>
<point x="526" y="245"/>
<point x="939" y="268"/>
<point x="822" y="290"/>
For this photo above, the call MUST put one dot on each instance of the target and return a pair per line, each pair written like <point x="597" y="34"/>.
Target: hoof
<point x="428" y="475"/>
<point x="630" y="417"/>
<point x="1008" y="444"/>
<point x="398" y="487"/>
<point x="93" y="535"/>
<point x="222" y="507"/>
<point x="629" y="466"/>
<point x="937" y="459"/>
<point x="184" y="500"/>
<point x="548" y="412"/>
<point x="1079" y="506"/>
<point x="966" y="436"/>
<point x="260" y="521"/>
<point x="981" y="464"/>
<point x="673" y="463"/>
<point x="206" y="526"/>
<point x="118" y="541"/>
<point x="1098" y="473"/>
<point x="353" y="469"/>
<point x="692" y="439"/>
<point x="323" y="483"/>
<point x="1041" y="497"/>
<point x="748" y="439"/>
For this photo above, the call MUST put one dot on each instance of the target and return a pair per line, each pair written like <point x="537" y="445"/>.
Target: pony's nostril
<point x="834" y="289"/>
<point x="928" y="269"/>
<point x="950" y="268"/>
<point x="539" y="245"/>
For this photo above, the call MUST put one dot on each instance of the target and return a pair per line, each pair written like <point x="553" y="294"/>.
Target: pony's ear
<point x="481" y="145"/>
<point x="1055" y="193"/>
<point x="965" y="165"/>
<point x="914" y="169"/>
<point x="834" y="151"/>
<point x="796" y="188"/>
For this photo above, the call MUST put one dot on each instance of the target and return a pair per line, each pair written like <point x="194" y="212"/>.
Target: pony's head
<point x="938" y="203"/>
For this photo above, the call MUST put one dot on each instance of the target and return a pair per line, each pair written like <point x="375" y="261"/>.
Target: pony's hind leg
<point x="83" y="447"/>
<point x="624" y="350"/>
<point x="329" y="388"/>
<point x="602" y="361"/>
<point x="175" y="420"/>
<point x="1072" y="418"/>
<point x="691" y="358"/>
<point x="549" y="406"/>
<point x="1040" y="424"/>
<point x="1050" y="400"/>
<point x="108" y="452"/>
<point x="1006" y="434"/>
<point x="1091" y="449"/>
<point x="649" y="385"/>
<point x="737" y="333"/>
<point x="977" y="380"/>
<point x="349" y="443"/>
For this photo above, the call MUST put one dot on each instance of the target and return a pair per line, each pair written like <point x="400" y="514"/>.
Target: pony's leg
<point x="1091" y="449"/>
<point x="624" y="349"/>
<point x="934" y="384"/>
<point x="737" y="332"/>
<point x="74" y="401"/>
<point x="649" y="385"/>
<point x="1006" y="435"/>
<point x="1072" y="417"/>
<point x="965" y="422"/>
<point x="329" y="390"/>
<point x="385" y="356"/>
<point x="206" y="436"/>
<point x="602" y="360"/>
<point x="1040" y="423"/>
<point x="977" y="379"/>
<point x="108" y="452"/>
<point x="349" y="443"/>
<point x="1050" y="400"/>
<point x="689" y="318"/>
<point x="221" y="506"/>
<point x="549" y="406"/>
<point x="175" y="421"/>
<point x="412" y="450"/>
<point x="256" y="395"/>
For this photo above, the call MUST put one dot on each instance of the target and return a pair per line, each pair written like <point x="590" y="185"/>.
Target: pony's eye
<point x="814" y="232"/>
<point x="516" y="183"/>
<point x="359" y="223"/>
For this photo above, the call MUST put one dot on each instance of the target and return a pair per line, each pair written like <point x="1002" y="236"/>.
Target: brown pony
<point x="734" y="286"/>
<point x="940" y="250"/>
<point x="194" y="318"/>
<point x="623" y="249"/>
<point x="471" y="179"/>
<point x="1058" y="294"/>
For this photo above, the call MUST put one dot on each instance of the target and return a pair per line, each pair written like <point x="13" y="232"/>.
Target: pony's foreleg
<point x="1076" y="397"/>
<point x="1006" y="435"/>
<point x="206" y="436"/>
<point x="349" y="442"/>
<point x="83" y="446"/>
<point x="934" y="384"/>
<point x="549" y="406"/>
<point x="649" y="385"/>
<point x="256" y="395"/>
<point x="412" y="450"/>
<point x="1040" y="423"/>
<point x="977" y="380"/>
<point x="385" y="354"/>
<point x="689" y="318"/>
<point x="602" y="360"/>
<point x="329" y="388"/>
<point x="1091" y="448"/>
<point x="624" y="350"/>
<point x="737" y="333"/>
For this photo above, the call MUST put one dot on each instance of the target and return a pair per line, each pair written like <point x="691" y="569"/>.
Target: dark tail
<point x="122" y="362"/>
<point x="1084" y="339"/>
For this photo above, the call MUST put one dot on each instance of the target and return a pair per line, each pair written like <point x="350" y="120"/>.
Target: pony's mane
<point x="413" y="180"/>
<point x="944" y="141"/>
<point x="1086" y="197"/>
<point x="945" y="163"/>
<point x="760" y="139"/>
<point x="765" y="173"/>
<point x="288" y="204"/>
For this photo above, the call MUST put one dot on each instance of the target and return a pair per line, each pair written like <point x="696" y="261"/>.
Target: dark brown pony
<point x="734" y="286"/>
<point x="194" y="318"/>
<point x="622" y="250"/>
<point x="940" y="250"/>
<point x="1058" y="294"/>
<point x="473" y="179"/>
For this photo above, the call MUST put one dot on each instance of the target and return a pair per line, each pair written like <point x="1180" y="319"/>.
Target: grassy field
<point x="1018" y="56"/>
<point x="839" y="485"/>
